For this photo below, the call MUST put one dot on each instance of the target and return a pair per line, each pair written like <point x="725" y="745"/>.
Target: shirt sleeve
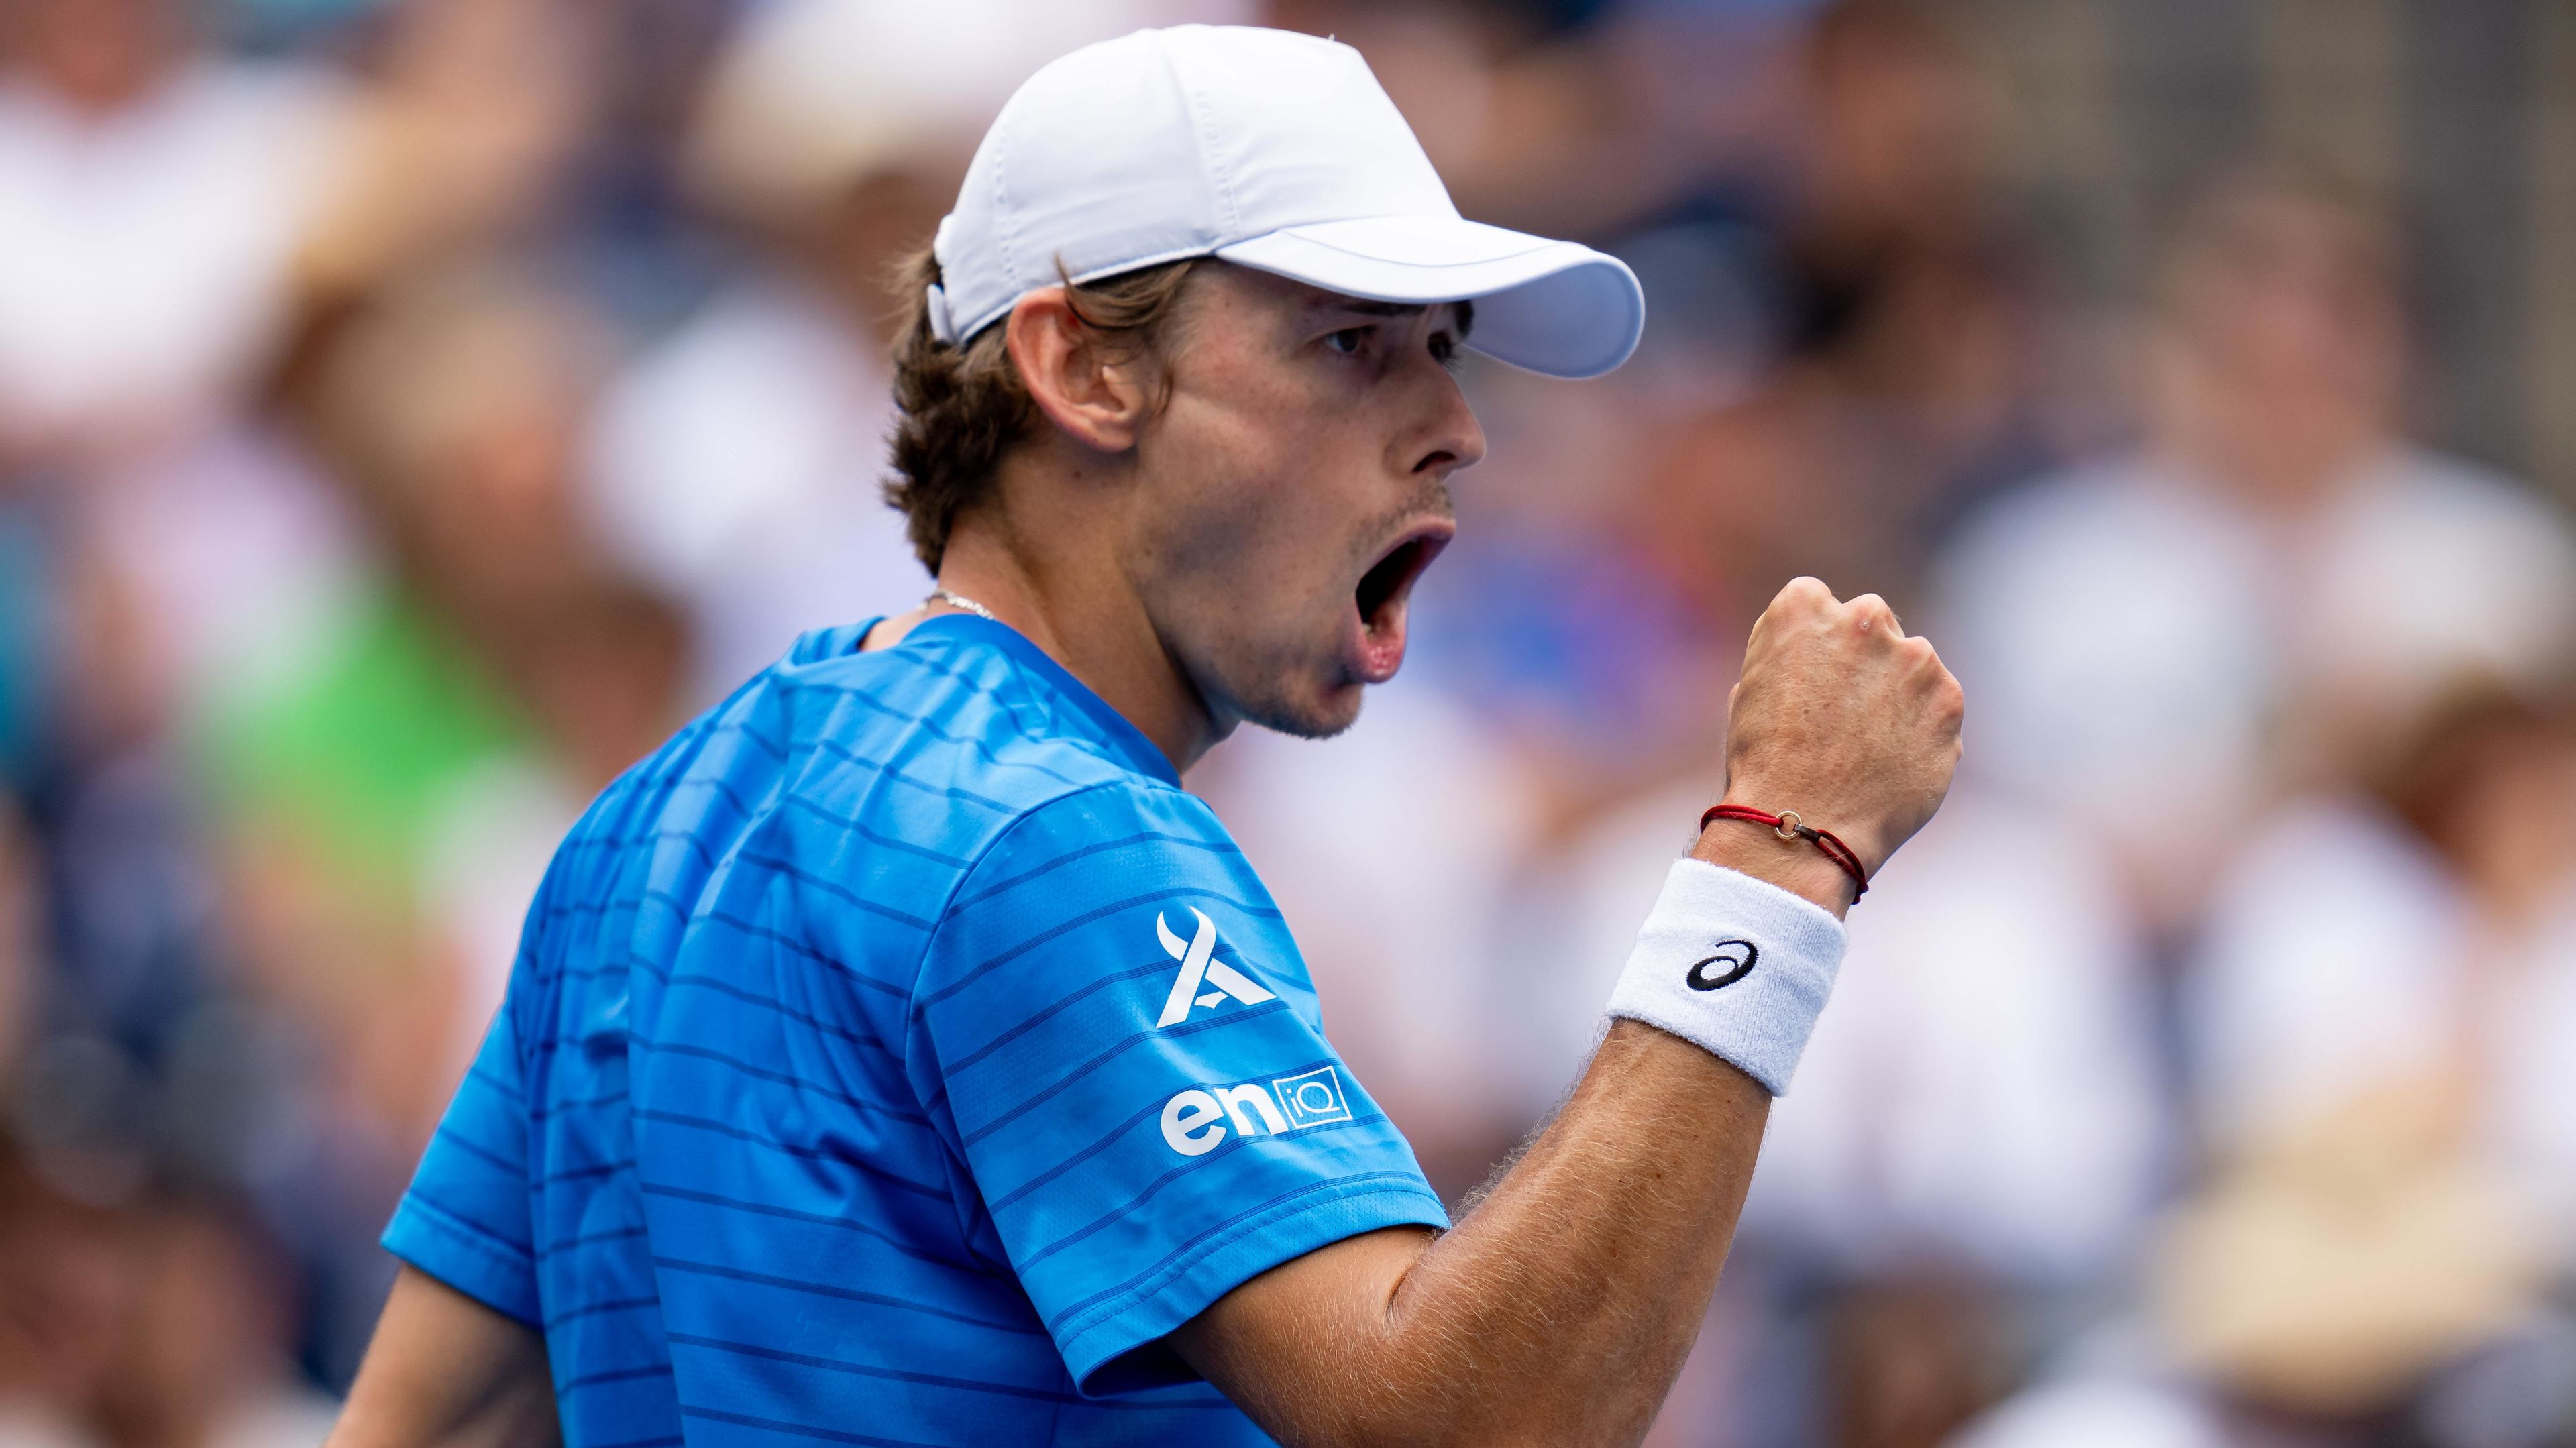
<point x="1119" y="1038"/>
<point x="465" y="1220"/>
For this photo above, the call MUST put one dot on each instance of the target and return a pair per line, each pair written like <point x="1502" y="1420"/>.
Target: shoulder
<point x="965" y="742"/>
<point x="1144" y="832"/>
<point x="1101" y="885"/>
<point x="911" y="785"/>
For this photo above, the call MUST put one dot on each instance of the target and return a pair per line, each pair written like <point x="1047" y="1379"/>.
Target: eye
<point x="1349" y="340"/>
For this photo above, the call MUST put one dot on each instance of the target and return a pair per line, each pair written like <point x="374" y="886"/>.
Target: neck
<point x="1076" y="604"/>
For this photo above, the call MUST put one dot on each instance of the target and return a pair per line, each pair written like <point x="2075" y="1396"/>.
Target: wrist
<point x="1735" y="965"/>
<point x="1792" y="864"/>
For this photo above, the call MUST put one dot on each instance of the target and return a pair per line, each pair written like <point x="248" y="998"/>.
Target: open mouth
<point x="1380" y="599"/>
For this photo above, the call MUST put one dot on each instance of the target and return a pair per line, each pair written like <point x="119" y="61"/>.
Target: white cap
<point x="1271" y="150"/>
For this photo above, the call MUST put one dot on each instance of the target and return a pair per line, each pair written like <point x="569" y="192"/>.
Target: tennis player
<point x="900" y="1056"/>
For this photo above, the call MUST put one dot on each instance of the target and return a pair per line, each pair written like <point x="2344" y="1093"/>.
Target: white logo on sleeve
<point x="1195" y="1120"/>
<point x="1205" y="980"/>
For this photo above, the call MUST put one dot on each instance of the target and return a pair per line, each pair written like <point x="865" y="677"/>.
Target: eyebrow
<point x="1374" y="309"/>
<point x="1365" y="307"/>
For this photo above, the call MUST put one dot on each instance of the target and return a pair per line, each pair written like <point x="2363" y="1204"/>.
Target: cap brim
<point x="1550" y="306"/>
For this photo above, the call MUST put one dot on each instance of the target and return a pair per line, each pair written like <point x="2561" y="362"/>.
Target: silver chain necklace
<point x="959" y="600"/>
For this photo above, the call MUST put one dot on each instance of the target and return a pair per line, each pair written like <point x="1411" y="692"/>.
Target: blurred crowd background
<point x="411" y="409"/>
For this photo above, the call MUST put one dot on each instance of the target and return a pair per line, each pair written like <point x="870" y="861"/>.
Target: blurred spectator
<point x="152" y="199"/>
<point x="166" y="213"/>
<point x="472" y="113"/>
<point x="202" y="1333"/>
<point x="2383" y="1009"/>
<point x="2274" y="581"/>
<point x="467" y="707"/>
<point x="160" y="1325"/>
<point x="1907" y="334"/>
<point x="2385" y="1003"/>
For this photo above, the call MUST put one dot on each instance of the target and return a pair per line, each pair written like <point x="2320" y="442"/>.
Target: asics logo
<point x="1733" y="962"/>
<point x="1204" y="980"/>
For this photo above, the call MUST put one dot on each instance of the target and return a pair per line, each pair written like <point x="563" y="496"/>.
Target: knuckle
<point x="1804" y="591"/>
<point x="1875" y="618"/>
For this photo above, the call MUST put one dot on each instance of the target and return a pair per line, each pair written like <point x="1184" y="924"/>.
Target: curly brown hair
<point x="963" y="406"/>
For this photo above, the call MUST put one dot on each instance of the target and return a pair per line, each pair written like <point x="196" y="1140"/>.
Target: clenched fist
<point x="1843" y="718"/>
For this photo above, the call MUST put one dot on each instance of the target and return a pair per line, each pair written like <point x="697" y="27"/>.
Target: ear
<point x="1100" y="398"/>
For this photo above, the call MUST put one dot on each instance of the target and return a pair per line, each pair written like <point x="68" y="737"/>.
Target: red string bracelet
<point x="1788" y="826"/>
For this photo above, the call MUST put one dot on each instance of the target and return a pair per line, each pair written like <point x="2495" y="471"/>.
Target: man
<point x="900" y="1056"/>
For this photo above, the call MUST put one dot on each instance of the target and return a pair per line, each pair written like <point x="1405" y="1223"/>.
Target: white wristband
<point x="1734" y="965"/>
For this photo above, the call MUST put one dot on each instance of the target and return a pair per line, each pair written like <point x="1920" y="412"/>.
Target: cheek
<point x="1253" y="492"/>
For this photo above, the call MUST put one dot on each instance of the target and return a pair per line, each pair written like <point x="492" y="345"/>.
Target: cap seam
<point x="1203" y="129"/>
<point x="1004" y="239"/>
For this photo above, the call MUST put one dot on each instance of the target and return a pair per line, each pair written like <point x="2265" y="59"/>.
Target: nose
<point x="1451" y="438"/>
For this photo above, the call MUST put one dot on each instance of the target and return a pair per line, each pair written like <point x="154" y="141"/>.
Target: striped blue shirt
<point x="896" y="1057"/>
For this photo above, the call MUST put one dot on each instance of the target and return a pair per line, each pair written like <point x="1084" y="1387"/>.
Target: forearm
<point x="1557" y="1312"/>
<point x="1560" y="1310"/>
<point x="1561" y="1307"/>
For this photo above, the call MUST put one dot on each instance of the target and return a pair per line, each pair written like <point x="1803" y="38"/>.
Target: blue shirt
<point x="895" y="1057"/>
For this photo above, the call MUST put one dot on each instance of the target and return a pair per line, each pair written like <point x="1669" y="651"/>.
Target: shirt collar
<point x="1122" y="735"/>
